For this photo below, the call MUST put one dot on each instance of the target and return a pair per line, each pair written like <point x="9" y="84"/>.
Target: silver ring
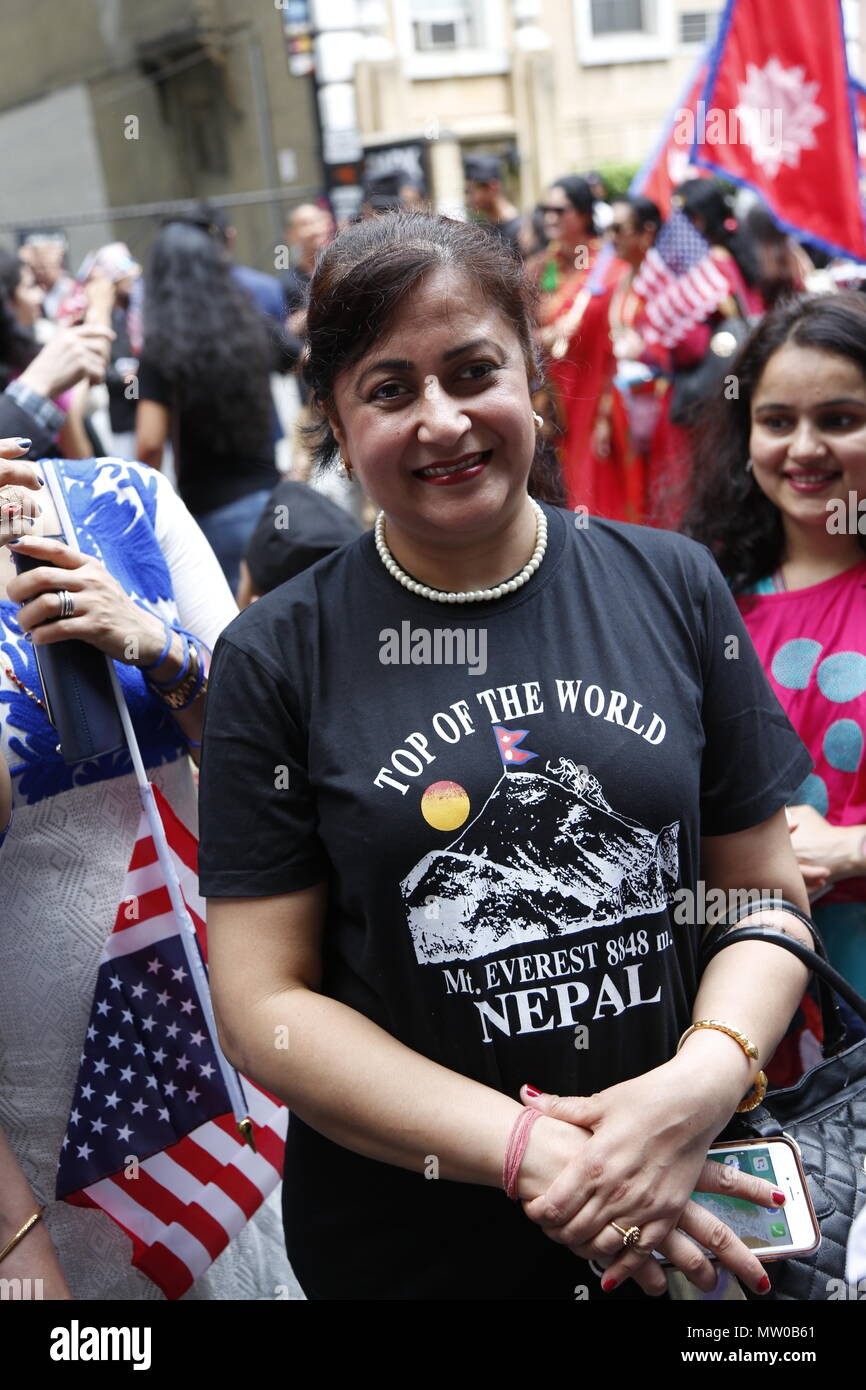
<point x="67" y="604"/>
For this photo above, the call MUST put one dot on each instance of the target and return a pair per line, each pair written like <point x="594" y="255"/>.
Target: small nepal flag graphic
<point x="507" y="741"/>
<point x="151" y="1139"/>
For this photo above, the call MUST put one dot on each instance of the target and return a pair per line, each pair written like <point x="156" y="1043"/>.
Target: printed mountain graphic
<point x="543" y="858"/>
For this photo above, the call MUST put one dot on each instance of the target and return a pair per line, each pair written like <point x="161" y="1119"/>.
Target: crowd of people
<point x="497" y="429"/>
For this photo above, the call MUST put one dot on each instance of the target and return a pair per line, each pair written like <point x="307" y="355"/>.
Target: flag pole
<point x="185" y="923"/>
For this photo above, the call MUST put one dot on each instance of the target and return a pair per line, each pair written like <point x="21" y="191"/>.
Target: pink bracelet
<point x="516" y="1148"/>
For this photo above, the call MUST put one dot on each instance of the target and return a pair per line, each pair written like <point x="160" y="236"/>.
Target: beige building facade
<point x="564" y="85"/>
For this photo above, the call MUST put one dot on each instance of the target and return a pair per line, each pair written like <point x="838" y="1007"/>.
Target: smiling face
<point x="436" y="418"/>
<point x="808" y="435"/>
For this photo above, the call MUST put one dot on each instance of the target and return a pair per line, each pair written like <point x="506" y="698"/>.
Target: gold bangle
<point x="758" y="1090"/>
<point x="179" y="696"/>
<point x="19" y="1235"/>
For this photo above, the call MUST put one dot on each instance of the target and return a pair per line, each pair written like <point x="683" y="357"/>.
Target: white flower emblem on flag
<point x="778" y="114"/>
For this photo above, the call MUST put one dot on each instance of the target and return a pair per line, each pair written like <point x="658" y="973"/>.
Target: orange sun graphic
<point x="445" y="805"/>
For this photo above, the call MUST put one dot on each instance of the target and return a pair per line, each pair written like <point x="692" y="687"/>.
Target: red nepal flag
<point x="508" y="739"/>
<point x="670" y="162"/>
<point x="780" y="119"/>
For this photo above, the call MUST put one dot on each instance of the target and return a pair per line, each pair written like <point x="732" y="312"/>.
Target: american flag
<point x="679" y="282"/>
<point x="151" y="1138"/>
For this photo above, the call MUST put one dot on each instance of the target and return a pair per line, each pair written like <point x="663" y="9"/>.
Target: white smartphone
<point x="771" y="1233"/>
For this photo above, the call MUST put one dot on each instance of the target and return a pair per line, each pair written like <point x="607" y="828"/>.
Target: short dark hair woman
<point x="452" y="776"/>
<point x="204" y="384"/>
<point x="781" y="501"/>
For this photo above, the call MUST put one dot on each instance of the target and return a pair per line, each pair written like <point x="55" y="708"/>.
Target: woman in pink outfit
<point x="782" y="503"/>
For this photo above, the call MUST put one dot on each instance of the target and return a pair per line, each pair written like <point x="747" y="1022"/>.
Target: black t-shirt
<point x="209" y="477"/>
<point x="504" y="799"/>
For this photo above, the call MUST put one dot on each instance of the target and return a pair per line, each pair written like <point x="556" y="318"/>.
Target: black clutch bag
<point x="78" y="693"/>
<point x="825" y="1114"/>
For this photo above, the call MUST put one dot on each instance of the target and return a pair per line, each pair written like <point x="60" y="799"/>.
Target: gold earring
<point x="347" y="468"/>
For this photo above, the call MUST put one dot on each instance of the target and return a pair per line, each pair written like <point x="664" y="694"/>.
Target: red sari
<point x="578" y="377"/>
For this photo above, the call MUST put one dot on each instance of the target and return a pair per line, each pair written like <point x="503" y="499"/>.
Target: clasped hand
<point x="642" y="1156"/>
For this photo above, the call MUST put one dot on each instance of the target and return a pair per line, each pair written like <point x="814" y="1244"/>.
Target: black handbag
<point x="694" y="386"/>
<point x="824" y="1113"/>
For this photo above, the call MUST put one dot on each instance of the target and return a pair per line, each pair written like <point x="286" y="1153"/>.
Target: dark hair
<point x="729" y="512"/>
<point x="646" y="212"/>
<point x="777" y="267"/>
<point x="483" y="168"/>
<point x="17" y="346"/>
<point x="206" y="215"/>
<point x="208" y="339"/>
<point x="705" y="198"/>
<point x="365" y="275"/>
<point x="579" y="194"/>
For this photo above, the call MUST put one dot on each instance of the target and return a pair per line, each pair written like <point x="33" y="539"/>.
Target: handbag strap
<point x="751" y="909"/>
<point x="830" y="982"/>
<point x="833" y="1027"/>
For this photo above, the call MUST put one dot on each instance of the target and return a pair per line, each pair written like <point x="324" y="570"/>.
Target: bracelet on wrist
<point x="21" y="1233"/>
<point x="169" y="634"/>
<point x="516" y="1148"/>
<point x="161" y="686"/>
<point x="193" y="683"/>
<point x="199" y="683"/>
<point x="758" y="1090"/>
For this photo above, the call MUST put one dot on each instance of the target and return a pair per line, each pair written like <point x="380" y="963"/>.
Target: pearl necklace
<point x="471" y="595"/>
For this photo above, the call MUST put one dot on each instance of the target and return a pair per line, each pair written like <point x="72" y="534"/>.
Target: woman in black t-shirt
<point x="454" y="778"/>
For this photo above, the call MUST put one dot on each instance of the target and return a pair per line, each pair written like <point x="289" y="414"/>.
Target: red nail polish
<point x="532" y="1091"/>
<point x="764" y="1286"/>
<point x="608" y="1285"/>
<point x="779" y="1198"/>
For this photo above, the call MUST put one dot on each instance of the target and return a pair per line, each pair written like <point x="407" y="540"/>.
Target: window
<point x="698" y="26"/>
<point x="624" y="31"/>
<point x="443" y="24"/>
<point x="616" y="16"/>
<point x="451" y="38"/>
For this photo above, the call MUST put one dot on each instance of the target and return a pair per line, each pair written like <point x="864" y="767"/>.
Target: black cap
<point x="383" y="191"/>
<point x="315" y="527"/>
<point x="482" y="168"/>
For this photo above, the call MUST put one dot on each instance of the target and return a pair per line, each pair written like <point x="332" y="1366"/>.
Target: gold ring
<point x="630" y="1237"/>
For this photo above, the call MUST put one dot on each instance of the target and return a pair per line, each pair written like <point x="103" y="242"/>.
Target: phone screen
<point x="757" y="1227"/>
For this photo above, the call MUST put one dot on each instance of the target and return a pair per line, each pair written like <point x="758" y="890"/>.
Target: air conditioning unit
<point x="437" y="34"/>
